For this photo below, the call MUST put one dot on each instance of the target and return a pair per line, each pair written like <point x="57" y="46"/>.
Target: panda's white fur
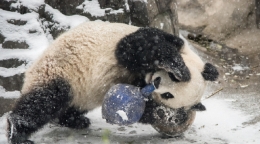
<point x="186" y="94"/>
<point x="93" y="60"/>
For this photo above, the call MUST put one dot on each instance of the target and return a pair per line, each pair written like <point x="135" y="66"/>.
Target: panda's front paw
<point x="81" y="123"/>
<point x="77" y="122"/>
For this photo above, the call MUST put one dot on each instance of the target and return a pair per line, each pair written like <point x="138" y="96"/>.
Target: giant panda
<point x="73" y="74"/>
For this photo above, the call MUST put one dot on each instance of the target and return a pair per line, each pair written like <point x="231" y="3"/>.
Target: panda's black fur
<point x="47" y="96"/>
<point x="149" y="48"/>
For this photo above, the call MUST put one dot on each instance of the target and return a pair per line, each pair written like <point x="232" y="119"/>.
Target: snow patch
<point x="238" y="67"/>
<point x="122" y="114"/>
<point x="7" y="72"/>
<point x="161" y="24"/>
<point x="127" y="6"/>
<point x="92" y="7"/>
<point x="9" y="94"/>
<point x="222" y="123"/>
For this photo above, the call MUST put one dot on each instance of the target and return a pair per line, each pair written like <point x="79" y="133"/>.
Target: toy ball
<point x="124" y="104"/>
<point x="172" y="122"/>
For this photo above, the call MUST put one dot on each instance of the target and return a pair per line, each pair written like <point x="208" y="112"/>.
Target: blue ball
<point x="124" y="104"/>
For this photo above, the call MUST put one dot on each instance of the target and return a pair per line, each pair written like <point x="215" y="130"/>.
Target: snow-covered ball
<point x="172" y="122"/>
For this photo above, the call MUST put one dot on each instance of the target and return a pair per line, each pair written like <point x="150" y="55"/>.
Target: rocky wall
<point x="232" y="23"/>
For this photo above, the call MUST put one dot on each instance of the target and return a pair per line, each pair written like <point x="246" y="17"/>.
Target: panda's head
<point x="175" y="93"/>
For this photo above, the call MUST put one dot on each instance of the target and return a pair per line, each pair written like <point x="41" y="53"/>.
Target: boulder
<point x="155" y="13"/>
<point x="228" y="22"/>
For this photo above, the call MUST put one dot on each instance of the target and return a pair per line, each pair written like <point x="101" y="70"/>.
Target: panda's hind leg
<point x="74" y="118"/>
<point x="36" y="108"/>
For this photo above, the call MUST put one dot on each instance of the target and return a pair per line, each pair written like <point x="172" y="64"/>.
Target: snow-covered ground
<point x="220" y="124"/>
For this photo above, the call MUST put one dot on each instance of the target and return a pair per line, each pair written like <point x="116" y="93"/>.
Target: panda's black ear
<point x="173" y="78"/>
<point x="210" y="72"/>
<point x="174" y="40"/>
<point x="198" y="107"/>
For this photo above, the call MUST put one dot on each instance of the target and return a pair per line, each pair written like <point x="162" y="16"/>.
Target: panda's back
<point x="83" y="56"/>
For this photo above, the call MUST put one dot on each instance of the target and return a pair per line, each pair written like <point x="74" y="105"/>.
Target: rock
<point x="119" y="17"/>
<point x="133" y="132"/>
<point x="139" y="13"/>
<point x="57" y="30"/>
<point x="15" y="44"/>
<point x="12" y="83"/>
<point x="229" y="22"/>
<point x="11" y="63"/>
<point x="17" y="22"/>
<point x="155" y="13"/>
<point x="191" y="36"/>
<point x="67" y="7"/>
<point x="2" y="38"/>
<point x="6" y="105"/>
<point x="5" y="4"/>
<point x="50" y="25"/>
<point x="164" y="22"/>
<point x="114" y="11"/>
<point x="22" y="9"/>
<point x="32" y="31"/>
<point x="114" y="4"/>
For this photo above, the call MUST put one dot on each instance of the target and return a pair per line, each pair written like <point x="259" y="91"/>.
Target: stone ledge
<point x="17" y="22"/>
<point x="6" y="105"/>
<point x="12" y="83"/>
<point x="11" y="63"/>
<point x="15" y="45"/>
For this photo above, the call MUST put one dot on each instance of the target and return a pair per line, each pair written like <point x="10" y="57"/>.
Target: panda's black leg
<point x="35" y="109"/>
<point x="73" y="118"/>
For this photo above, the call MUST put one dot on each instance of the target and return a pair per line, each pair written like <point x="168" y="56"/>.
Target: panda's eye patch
<point x="173" y="78"/>
<point x="167" y="95"/>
